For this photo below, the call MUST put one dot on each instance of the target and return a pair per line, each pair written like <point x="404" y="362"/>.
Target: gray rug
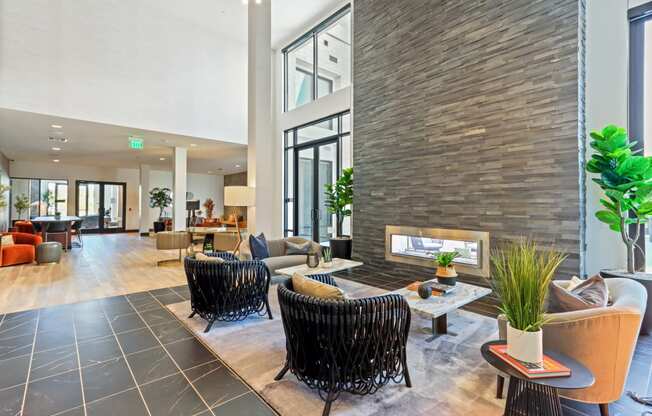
<point x="449" y="376"/>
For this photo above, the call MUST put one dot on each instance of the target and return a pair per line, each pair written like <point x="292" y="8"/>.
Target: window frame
<point x="309" y="36"/>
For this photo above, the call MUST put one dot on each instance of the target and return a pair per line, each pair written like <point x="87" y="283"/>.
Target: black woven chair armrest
<point x="326" y="278"/>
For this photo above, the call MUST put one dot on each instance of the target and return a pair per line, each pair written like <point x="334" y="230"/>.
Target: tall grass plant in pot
<point x="522" y="273"/>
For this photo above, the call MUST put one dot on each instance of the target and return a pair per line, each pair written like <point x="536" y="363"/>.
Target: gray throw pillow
<point x="591" y="293"/>
<point x="297" y="248"/>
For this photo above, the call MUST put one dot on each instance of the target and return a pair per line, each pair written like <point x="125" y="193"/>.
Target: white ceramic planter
<point x="525" y="346"/>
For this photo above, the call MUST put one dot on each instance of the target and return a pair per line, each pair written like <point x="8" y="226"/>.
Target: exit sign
<point x="136" y="143"/>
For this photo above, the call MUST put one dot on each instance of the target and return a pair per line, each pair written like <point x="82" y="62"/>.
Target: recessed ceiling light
<point x="210" y="171"/>
<point x="56" y="149"/>
<point x="162" y="158"/>
<point x="193" y="144"/>
<point x="55" y="160"/>
<point x="245" y="2"/>
<point x="56" y="126"/>
<point x="237" y="166"/>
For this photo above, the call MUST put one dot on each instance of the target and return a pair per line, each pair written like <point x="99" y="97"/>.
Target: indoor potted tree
<point x="210" y="206"/>
<point x="21" y="205"/>
<point x="160" y="198"/>
<point x="3" y="198"/>
<point x="446" y="273"/>
<point x="626" y="180"/>
<point x="339" y="197"/>
<point x="521" y="276"/>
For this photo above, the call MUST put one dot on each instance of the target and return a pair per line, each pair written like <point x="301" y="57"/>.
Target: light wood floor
<point x="108" y="265"/>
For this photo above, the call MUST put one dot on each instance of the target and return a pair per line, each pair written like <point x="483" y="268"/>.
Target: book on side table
<point x="550" y="367"/>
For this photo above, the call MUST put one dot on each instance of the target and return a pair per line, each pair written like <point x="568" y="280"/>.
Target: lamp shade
<point x="239" y="196"/>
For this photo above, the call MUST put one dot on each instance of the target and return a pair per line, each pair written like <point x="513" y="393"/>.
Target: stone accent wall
<point x="467" y="116"/>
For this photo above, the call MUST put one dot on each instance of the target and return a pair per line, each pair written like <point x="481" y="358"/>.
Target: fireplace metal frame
<point x="481" y="237"/>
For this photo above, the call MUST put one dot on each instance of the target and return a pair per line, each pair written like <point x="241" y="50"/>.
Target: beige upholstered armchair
<point x="172" y="240"/>
<point x="603" y="339"/>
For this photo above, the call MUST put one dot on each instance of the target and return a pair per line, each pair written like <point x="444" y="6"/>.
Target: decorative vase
<point x="312" y="260"/>
<point x="446" y="275"/>
<point x="525" y="346"/>
<point x="424" y="290"/>
<point x="328" y="264"/>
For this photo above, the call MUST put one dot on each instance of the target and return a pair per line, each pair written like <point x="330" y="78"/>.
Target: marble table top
<point x="436" y="306"/>
<point x="337" y="265"/>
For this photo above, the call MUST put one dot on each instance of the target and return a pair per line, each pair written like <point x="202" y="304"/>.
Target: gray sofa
<point x="278" y="259"/>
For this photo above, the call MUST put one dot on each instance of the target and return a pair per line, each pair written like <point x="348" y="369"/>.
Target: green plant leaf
<point x="633" y="166"/>
<point x="607" y="217"/>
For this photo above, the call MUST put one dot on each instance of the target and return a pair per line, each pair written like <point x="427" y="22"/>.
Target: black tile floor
<point x="124" y="355"/>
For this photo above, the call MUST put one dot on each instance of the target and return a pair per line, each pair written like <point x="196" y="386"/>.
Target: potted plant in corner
<point x="521" y="276"/>
<point x="21" y="205"/>
<point x="446" y="273"/>
<point x="3" y="199"/>
<point x="626" y="180"/>
<point x="160" y="198"/>
<point x="339" y="197"/>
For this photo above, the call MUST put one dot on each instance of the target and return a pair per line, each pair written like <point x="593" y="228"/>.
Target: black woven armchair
<point x="229" y="291"/>
<point x="353" y="345"/>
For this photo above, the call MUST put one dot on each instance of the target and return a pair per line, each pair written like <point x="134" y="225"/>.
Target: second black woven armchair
<point x="228" y="291"/>
<point x="352" y="345"/>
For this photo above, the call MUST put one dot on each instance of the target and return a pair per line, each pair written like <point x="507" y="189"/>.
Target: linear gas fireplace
<point x="418" y="246"/>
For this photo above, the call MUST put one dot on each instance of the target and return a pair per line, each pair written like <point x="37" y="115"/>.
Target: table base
<point x="530" y="399"/>
<point x="439" y="327"/>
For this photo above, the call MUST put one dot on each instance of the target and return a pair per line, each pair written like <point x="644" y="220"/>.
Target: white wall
<point x="4" y="180"/>
<point x="140" y="63"/>
<point x="635" y="3"/>
<point x="203" y="186"/>
<point x="606" y="102"/>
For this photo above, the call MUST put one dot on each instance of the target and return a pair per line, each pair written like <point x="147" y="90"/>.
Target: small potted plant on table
<point x="446" y="273"/>
<point x="160" y="198"/>
<point x="522" y="274"/>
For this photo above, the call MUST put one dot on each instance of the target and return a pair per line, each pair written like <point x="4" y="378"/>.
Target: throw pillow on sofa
<point x="309" y="287"/>
<point x="591" y="293"/>
<point x="258" y="247"/>
<point x="7" y="241"/>
<point x="297" y="248"/>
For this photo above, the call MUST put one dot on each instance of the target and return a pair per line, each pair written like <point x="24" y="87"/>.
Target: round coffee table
<point x="538" y="397"/>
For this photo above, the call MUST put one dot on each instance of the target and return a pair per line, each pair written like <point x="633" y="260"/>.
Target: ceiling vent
<point x="332" y="59"/>
<point x="58" y="139"/>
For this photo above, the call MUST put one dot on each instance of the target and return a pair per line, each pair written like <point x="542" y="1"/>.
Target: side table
<point x="538" y="397"/>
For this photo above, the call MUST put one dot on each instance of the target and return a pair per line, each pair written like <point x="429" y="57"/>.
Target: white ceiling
<point x="25" y="137"/>
<point x="290" y="18"/>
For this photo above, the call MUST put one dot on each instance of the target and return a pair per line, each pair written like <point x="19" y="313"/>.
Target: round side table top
<point x="580" y="378"/>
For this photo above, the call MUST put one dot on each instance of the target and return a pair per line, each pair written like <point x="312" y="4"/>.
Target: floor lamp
<point x="238" y="196"/>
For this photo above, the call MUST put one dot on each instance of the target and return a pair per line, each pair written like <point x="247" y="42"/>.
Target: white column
<point x="179" y="184"/>
<point x="260" y="159"/>
<point x="144" y="221"/>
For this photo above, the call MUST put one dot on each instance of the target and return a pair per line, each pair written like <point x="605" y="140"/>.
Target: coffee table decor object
<point x="338" y="265"/>
<point x="438" y="306"/>
<point x="446" y="273"/>
<point x="537" y="396"/>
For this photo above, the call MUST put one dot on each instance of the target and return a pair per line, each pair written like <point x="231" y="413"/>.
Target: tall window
<point x="326" y="51"/>
<point x="315" y="155"/>
<point x="43" y="197"/>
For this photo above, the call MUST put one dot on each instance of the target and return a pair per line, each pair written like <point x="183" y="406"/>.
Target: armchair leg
<point x="192" y="315"/>
<point x="281" y="373"/>
<point x="329" y="400"/>
<point x="499" y="386"/>
<point x="406" y="374"/>
<point x="604" y="409"/>
<point x="210" y="324"/>
<point x="269" y="311"/>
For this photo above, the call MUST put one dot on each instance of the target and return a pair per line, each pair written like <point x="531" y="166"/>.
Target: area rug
<point x="449" y="376"/>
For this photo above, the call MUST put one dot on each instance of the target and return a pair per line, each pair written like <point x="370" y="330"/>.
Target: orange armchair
<point x="25" y="227"/>
<point x="23" y="250"/>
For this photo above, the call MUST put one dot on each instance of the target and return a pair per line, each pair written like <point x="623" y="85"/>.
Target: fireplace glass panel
<point x="427" y="248"/>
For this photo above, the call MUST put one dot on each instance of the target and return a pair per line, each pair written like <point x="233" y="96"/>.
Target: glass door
<point x="101" y="206"/>
<point x="316" y="166"/>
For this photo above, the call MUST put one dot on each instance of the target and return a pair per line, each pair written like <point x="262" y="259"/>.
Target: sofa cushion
<point x="7" y="241"/>
<point x="281" y="262"/>
<point x="258" y="247"/>
<point x="591" y="293"/>
<point x="294" y="248"/>
<point x="309" y="287"/>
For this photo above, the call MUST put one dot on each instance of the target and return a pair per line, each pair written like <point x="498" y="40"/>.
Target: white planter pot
<point x="525" y="346"/>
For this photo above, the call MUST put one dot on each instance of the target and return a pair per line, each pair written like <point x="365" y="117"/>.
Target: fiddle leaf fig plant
<point x="160" y="198"/>
<point x="626" y="179"/>
<point x="339" y="197"/>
